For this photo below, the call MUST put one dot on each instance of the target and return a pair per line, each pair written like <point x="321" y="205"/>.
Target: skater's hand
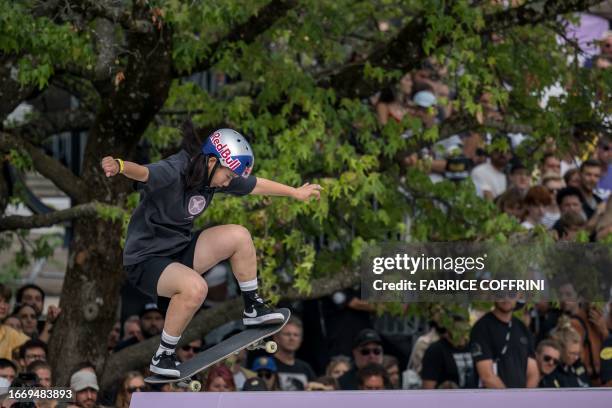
<point x="110" y="166"/>
<point x="307" y="191"/>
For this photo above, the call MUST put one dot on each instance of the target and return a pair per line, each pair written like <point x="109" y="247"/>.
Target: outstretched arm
<point x="269" y="187"/>
<point x="130" y="170"/>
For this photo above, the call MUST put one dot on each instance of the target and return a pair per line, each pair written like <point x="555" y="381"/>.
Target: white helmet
<point x="232" y="150"/>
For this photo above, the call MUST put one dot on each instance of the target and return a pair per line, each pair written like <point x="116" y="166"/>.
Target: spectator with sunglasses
<point x="367" y="349"/>
<point x="188" y="351"/>
<point x="266" y="369"/>
<point x="548" y="357"/>
<point x="131" y="382"/>
<point x="570" y="373"/>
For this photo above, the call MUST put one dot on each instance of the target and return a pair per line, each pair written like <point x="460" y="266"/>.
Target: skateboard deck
<point x="222" y="350"/>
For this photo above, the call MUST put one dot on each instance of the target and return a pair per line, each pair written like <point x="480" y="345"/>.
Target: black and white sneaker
<point x="260" y="313"/>
<point x="165" y="364"/>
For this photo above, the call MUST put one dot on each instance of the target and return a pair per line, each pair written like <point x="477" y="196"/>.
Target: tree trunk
<point x="89" y="297"/>
<point x="94" y="275"/>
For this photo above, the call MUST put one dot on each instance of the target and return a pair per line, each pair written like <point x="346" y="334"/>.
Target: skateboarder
<point x="163" y="257"/>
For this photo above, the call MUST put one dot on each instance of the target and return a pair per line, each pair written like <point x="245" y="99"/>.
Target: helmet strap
<point x="214" y="169"/>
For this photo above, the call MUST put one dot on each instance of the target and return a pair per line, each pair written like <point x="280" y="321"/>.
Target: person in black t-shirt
<point x="293" y="373"/>
<point x="367" y="349"/>
<point x="548" y="357"/>
<point x="449" y="359"/>
<point x="503" y="350"/>
<point x="571" y="373"/>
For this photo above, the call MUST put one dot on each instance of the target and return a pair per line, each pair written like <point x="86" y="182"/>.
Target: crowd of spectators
<point x="510" y="346"/>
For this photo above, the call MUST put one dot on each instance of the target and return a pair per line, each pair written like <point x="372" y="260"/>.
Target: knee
<point x="240" y="235"/>
<point x="195" y="291"/>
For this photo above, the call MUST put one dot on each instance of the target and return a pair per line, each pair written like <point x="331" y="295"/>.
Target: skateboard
<point x="250" y="338"/>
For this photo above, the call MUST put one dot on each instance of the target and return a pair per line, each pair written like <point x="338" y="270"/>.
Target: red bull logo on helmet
<point x="224" y="152"/>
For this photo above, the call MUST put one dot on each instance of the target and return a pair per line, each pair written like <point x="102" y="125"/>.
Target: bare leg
<point x="231" y="242"/>
<point x="234" y="242"/>
<point x="187" y="291"/>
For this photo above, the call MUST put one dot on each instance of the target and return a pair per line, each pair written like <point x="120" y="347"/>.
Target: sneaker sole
<point x="274" y="318"/>
<point x="168" y="372"/>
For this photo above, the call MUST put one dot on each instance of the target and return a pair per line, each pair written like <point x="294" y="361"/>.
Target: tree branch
<point x="12" y="92"/>
<point x="80" y="88"/>
<point x="14" y="222"/>
<point x="246" y="32"/>
<point x="108" y="9"/>
<point x="52" y="169"/>
<point x="138" y="355"/>
<point x="405" y="51"/>
<point x="52" y="123"/>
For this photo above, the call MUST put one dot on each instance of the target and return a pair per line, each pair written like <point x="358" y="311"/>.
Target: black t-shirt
<point x="294" y="377"/>
<point x="566" y="377"/>
<point x="586" y="207"/>
<point x="348" y="380"/>
<point x="130" y="341"/>
<point x="606" y="360"/>
<point x="443" y="362"/>
<point x="508" y="344"/>
<point x="162" y="223"/>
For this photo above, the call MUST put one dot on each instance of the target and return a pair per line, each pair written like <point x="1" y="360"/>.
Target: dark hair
<point x="5" y="293"/>
<point x="386" y="95"/>
<point x="35" y="365"/>
<point x="196" y="174"/>
<point x="22" y="289"/>
<point x="567" y="192"/>
<point x="548" y="156"/>
<point x="510" y="197"/>
<point x="329" y="381"/>
<point x="5" y="363"/>
<point x="372" y="370"/>
<point x="570" y="220"/>
<point x="420" y="86"/>
<point x="389" y="361"/>
<point x="568" y="175"/>
<point x="548" y="343"/>
<point x="590" y="163"/>
<point x="30" y="344"/>
<point x="19" y="306"/>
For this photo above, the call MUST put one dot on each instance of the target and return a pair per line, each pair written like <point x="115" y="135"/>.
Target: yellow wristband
<point x="121" y="165"/>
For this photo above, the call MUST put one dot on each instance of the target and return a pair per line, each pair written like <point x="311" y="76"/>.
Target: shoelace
<point x="263" y="304"/>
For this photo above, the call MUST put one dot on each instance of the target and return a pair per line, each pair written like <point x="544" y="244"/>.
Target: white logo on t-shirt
<point x="196" y="204"/>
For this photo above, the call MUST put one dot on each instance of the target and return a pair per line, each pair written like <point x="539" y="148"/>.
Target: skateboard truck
<point x="269" y="346"/>
<point x="192" y="385"/>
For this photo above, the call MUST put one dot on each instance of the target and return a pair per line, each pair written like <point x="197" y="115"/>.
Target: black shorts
<point x="145" y="275"/>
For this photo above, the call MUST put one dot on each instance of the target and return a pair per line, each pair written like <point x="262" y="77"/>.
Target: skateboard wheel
<point x="195" y="386"/>
<point x="271" y="347"/>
